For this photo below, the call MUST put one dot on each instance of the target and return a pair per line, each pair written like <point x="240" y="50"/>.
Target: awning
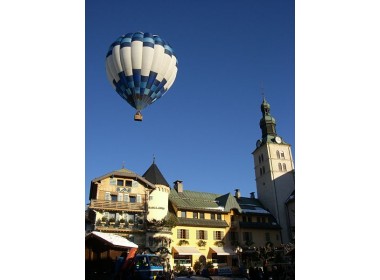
<point x="112" y="239"/>
<point x="186" y="250"/>
<point x="222" y="251"/>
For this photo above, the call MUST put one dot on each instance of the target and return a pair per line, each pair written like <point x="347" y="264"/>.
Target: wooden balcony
<point x="107" y="205"/>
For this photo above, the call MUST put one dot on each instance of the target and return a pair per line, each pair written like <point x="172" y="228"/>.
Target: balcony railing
<point x="116" y="205"/>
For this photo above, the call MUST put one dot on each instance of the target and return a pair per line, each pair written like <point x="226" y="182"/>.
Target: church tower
<point x="274" y="171"/>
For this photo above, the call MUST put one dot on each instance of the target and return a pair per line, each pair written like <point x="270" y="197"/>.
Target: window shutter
<point x="205" y="233"/>
<point x="138" y="198"/>
<point x="126" y="197"/>
<point x="197" y="234"/>
<point x="214" y="235"/>
<point x="178" y="233"/>
<point x="120" y="197"/>
<point x="107" y="196"/>
<point x="187" y="234"/>
<point x="221" y="235"/>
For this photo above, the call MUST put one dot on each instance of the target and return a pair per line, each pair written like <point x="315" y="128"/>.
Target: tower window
<point x="280" y="166"/>
<point x="263" y="169"/>
<point x="284" y="166"/>
<point x="278" y="154"/>
<point x="282" y="154"/>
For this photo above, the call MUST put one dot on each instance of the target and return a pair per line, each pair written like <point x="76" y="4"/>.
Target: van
<point x="147" y="266"/>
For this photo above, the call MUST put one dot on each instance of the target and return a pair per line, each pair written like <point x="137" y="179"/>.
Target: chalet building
<point x="122" y="202"/>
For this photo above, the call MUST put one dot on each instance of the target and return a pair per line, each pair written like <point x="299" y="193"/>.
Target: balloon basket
<point x="138" y="117"/>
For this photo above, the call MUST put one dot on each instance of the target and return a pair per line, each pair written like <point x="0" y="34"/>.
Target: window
<point x="284" y="166"/>
<point x="183" y="233"/>
<point x="260" y="159"/>
<point x="219" y="216"/>
<point x="244" y="218"/>
<point x="282" y="154"/>
<point x="113" y="197"/>
<point x="195" y="215"/>
<point x="132" y="199"/>
<point x="261" y="172"/>
<point x="247" y="236"/>
<point x="151" y="197"/>
<point x="267" y="236"/>
<point x="278" y="154"/>
<point x="107" y="196"/>
<point x="112" y="216"/>
<point x="218" y="235"/>
<point x="120" y="182"/>
<point x="201" y="234"/>
<point x="128" y="183"/>
<point x="201" y="215"/>
<point x="212" y="216"/>
<point x="280" y="166"/>
<point x="263" y="169"/>
<point x="183" y="214"/>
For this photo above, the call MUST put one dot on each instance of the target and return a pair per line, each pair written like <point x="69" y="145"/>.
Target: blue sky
<point x="204" y="129"/>
<point x="62" y="125"/>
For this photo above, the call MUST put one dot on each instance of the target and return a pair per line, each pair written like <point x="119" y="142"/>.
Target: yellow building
<point x="203" y="221"/>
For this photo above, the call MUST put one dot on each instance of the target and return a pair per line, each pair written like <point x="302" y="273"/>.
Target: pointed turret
<point x="154" y="175"/>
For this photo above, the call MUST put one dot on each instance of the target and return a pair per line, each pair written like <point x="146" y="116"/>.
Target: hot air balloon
<point x="141" y="67"/>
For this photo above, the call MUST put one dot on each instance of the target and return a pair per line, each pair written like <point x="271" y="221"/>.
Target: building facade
<point x="183" y="226"/>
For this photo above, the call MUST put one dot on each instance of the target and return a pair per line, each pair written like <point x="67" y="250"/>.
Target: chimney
<point x="237" y="193"/>
<point x="252" y="194"/>
<point x="178" y="186"/>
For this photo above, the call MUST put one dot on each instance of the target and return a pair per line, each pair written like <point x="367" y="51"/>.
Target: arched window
<point x="284" y="166"/>
<point x="280" y="166"/>
<point x="278" y="154"/>
<point x="282" y="154"/>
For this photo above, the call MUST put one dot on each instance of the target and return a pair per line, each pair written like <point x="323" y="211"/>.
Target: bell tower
<point x="274" y="170"/>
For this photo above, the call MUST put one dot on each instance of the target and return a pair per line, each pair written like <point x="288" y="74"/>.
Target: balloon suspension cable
<point x="138" y="116"/>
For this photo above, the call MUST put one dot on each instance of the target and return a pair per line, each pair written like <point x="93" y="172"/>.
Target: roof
<point x="126" y="173"/>
<point x="252" y="205"/>
<point x="112" y="239"/>
<point x="201" y="223"/>
<point x="154" y="175"/>
<point x="229" y="202"/>
<point x="210" y="202"/>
